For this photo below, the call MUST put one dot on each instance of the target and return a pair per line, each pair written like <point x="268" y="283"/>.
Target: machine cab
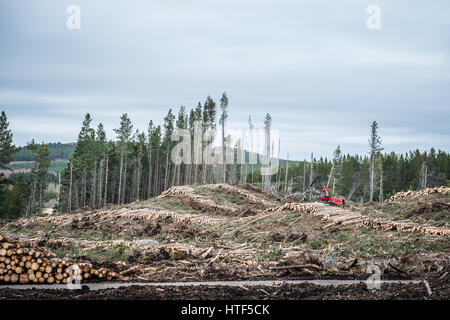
<point x="325" y="194"/>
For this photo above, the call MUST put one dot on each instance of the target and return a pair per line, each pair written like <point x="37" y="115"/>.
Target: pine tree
<point x="150" y="131"/>
<point x="222" y="120"/>
<point x="42" y="168"/>
<point x="209" y="124"/>
<point x="336" y="167"/>
<point x="17" y="198"/>
<point x="198" y="112"/>
<point x="167" y="143"/>
<point x="6" y="146"/>
<point x="124" y="135"/>
<point x="100" y="150"/>
<point x="182" y="123"/>
<point x="6" y="149"/>
<point x="141" y="140"/>
<point x="267" y="127"/>
<point x="39" y="174"/>
<point x="156" y="141"/>
<point x="252" y="153"/>
<point x="375" y="148"/>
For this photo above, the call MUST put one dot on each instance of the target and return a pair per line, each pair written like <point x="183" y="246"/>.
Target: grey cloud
<point x="312" y="64"/>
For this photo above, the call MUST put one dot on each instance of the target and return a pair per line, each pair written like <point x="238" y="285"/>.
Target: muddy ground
<point x="440" y="291"/>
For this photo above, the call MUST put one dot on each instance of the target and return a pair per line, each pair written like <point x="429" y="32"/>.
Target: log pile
<point x="54" y="220"/>
<point x="338" y="216"/>
<point x="174" y="216"/>
<point x="250" y="197"/>
<point x="294" y="206"/>
<point x="197" y="201"/>
<point x="405" y="226"/>
<point x="414" y="194"/>
<point x="177" y="190"/>
<point x="22" y="264"/>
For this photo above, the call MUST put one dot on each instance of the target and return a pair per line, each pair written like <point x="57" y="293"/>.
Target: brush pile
<point x="22" y="264"/>
<point x="414" y="194"/>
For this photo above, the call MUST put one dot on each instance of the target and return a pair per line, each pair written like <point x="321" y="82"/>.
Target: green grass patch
<point x="273" y="255"/>
<point x="110" y="254"/>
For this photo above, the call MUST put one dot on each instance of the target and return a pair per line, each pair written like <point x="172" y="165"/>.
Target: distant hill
<point x="59" y="151"/>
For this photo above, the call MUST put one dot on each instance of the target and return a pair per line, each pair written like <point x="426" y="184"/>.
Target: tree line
<point x="58" y="151"/>
<point x="372" y="177"/>
<point x="138" y="164"/>
<point x="22" y="196"/>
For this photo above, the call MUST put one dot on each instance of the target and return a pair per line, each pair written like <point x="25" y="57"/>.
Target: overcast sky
<point x="313" y="65"/>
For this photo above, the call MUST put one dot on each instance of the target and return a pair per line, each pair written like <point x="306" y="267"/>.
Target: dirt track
<point x="440" y="290"/>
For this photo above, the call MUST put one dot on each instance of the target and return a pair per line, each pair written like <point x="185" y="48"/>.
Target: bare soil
<point x="440" y="291"/>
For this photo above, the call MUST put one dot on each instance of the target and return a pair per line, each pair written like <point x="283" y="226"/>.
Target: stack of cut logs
<point x="197" y="201"/>
<point x="405" y="226"/>
<point x="21" y="264"/>
<point x="177" y="190"/>
<point x="295" y="206"/>
<point x="248" y="195"/>
<point x="414" y="194"/>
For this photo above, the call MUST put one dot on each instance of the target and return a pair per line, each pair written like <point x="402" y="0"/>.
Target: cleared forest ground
<point x="224" y="232"/>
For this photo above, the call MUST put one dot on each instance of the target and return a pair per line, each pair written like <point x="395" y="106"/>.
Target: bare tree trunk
<point x="354" y="187"/>
<point x="426" y="176"/>
<point x="334" y="182"/>
<point x="372" y="171"/>
<point x="187" y="173"/>
<point x="224" y="166"/>
<point x="114" y="181"/>
<point x="94" y="183"/>
<point x="267" y="177"/>
<point x="304" y="175"/>
<point x="122" y="151"/>
<point x="124" y="184"/>
<point x="279" y="168"/>
<point x="156" y="189"/>
<point x="204" y="167"/>
<point x="195" y="173"/>
<point x="40" y="193"/>
<point x="31" y="201"/>
<point x="174" y="174"/>
<point x="423" y="175"/>
<point x="331" y="174"/>
<point x="138" y="182"/>
<point x="106" y="182"/>
<point x="149" y="182"/>
<point x="100" y="183"/>
<point x="166" y="177"/>
<point x="70" y="187"/>
<point x="381" y="189"/>
<point x="311" y="175"/>
<point x="59" y="190"/>
<point x="77" y="194"/>
<point x="245" y="162"/>
<point x="286" y="177"/>
<point x="84" y="182"/>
